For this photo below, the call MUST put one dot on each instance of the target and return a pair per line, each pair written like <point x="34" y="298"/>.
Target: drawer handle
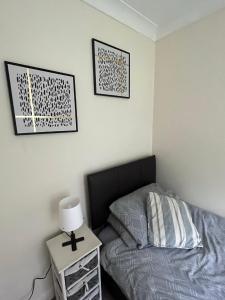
<point x="82" y="267"/>
<point x="86" y="286"/>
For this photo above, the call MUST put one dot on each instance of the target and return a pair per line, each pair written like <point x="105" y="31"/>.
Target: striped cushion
<point x="170" y="223"/>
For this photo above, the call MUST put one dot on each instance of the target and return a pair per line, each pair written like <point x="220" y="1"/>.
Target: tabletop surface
<point x="64" y="257"/>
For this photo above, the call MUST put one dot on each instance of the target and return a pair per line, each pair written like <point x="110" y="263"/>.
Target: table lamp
<point x="70" y="219"/>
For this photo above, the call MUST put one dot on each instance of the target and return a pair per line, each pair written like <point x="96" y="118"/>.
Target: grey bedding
<point x="107" y="234"/>
<point x="171" y="274"/>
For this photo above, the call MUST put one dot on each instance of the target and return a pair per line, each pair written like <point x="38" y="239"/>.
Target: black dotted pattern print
<point x="112" y="71"/>
<point x="51" y="100"/>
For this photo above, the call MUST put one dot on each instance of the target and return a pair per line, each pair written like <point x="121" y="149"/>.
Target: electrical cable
<point x="38" y="278"/>
<point x="68" y="235"/>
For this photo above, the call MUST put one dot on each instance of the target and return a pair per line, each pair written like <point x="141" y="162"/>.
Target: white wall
<point x="36" y="171"/>
<point x="189" y="112"/>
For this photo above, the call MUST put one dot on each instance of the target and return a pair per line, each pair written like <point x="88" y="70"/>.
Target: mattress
<point x="170" y="274"/>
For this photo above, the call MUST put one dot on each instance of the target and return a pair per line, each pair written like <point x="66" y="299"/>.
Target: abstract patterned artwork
<point x="42" y="101"/>
<point x="111" y="68"/>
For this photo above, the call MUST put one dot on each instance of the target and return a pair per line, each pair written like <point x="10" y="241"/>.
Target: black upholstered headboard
<point x="106" y="186"/>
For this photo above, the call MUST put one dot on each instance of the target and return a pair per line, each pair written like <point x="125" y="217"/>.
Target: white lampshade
<point x="70" y="214"/>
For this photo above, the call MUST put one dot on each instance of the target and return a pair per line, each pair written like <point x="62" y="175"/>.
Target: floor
<point x="106" y="294"/>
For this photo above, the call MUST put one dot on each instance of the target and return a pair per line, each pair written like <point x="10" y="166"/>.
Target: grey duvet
<point x="171" y="274"/>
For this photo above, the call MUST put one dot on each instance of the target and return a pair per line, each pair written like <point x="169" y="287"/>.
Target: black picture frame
<point x="13" y="102"/>
<point x="96" y="89"/>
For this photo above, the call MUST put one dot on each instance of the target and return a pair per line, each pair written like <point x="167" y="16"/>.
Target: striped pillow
<point x="170" y="223"/>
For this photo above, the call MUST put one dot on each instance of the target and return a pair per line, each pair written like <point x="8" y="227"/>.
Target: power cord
<point x="38" y="278"/>
<point x="68" y="235"/>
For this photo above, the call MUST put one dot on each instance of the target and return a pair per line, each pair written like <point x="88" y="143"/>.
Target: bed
<point x="155" y="273"/>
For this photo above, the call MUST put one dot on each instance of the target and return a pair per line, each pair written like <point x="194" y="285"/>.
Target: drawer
<point x="80" y="269"/>
<point x="83" y="287"/>
<point x="94" y="295"/>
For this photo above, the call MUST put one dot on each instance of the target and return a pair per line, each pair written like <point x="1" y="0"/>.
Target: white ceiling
<point x="157" y="18"/>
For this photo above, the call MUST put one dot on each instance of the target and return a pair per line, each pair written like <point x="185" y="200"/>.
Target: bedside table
<point x="76" y="274"/>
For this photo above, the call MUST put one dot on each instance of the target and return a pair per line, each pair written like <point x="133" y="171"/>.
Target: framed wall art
<point x="42" y="101"/>
<point x="111" y="69"/>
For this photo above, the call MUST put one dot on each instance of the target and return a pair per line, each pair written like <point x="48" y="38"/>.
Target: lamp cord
<point x="68" y="235"/>
<point x="38" y="278"/>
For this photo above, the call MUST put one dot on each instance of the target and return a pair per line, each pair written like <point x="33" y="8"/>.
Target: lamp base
<point x="73" y="242"/>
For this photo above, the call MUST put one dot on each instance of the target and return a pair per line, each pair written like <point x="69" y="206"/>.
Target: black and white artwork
<point x="111" y="68"/>
<point x="42" y="101"/>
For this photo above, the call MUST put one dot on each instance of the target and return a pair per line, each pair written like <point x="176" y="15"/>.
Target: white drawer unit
<point x="76" y="274"/>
